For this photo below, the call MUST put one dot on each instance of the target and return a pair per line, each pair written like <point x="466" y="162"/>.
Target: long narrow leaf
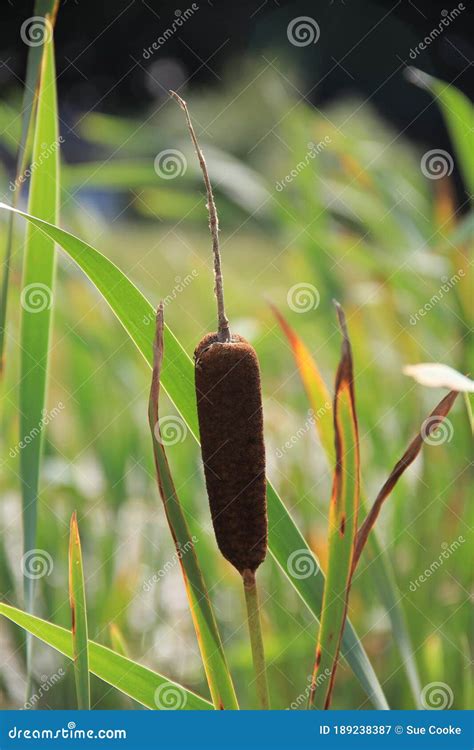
<point x="430" y="425"/>
<point x="46" y="9"/>
<point x="149" y="688"/>
<point x="381" y="571"/>
<point x="36" y="299"/>
<point x="458" y="111"/>
<point x="212" y="652"/>
<point x="77" y="599"/>
<point x="136" y="314"/>
<point x="343" y="518"/>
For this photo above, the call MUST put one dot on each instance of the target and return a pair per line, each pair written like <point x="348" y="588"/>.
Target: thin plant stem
<point x="223" y="331"/>
<point x="256" y="640"/>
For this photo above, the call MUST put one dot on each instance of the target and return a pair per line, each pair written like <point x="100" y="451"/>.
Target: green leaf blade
<point x="149" y="688"/>
<point x="77" y="598"/>
<point x="37" y="297"/>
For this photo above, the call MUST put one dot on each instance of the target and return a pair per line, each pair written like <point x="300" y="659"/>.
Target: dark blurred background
<point x="363" y="49"/>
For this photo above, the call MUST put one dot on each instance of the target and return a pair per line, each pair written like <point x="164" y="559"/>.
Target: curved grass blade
<point x="135" y="313"/>
<point x="343" y="515"/>
<point x="36" y="297"/>
<point x="458" y="112"/>
<point x="46" y="9"/>
<point x="149" y="688"/>
<point x="382" y="572"/>
<point x="77" y="599"/>
<point x="117" y="640"/>
<point x="429" y="426"/>
<point x="210" y="645"/>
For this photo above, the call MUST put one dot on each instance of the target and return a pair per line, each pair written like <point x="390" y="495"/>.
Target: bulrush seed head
<point x="231" y="426"/>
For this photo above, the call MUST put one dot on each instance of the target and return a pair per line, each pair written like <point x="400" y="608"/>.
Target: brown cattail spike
<point x="231" y="426"/>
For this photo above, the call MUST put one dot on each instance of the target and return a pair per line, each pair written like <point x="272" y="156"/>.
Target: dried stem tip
<point x="230" y="414"/>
